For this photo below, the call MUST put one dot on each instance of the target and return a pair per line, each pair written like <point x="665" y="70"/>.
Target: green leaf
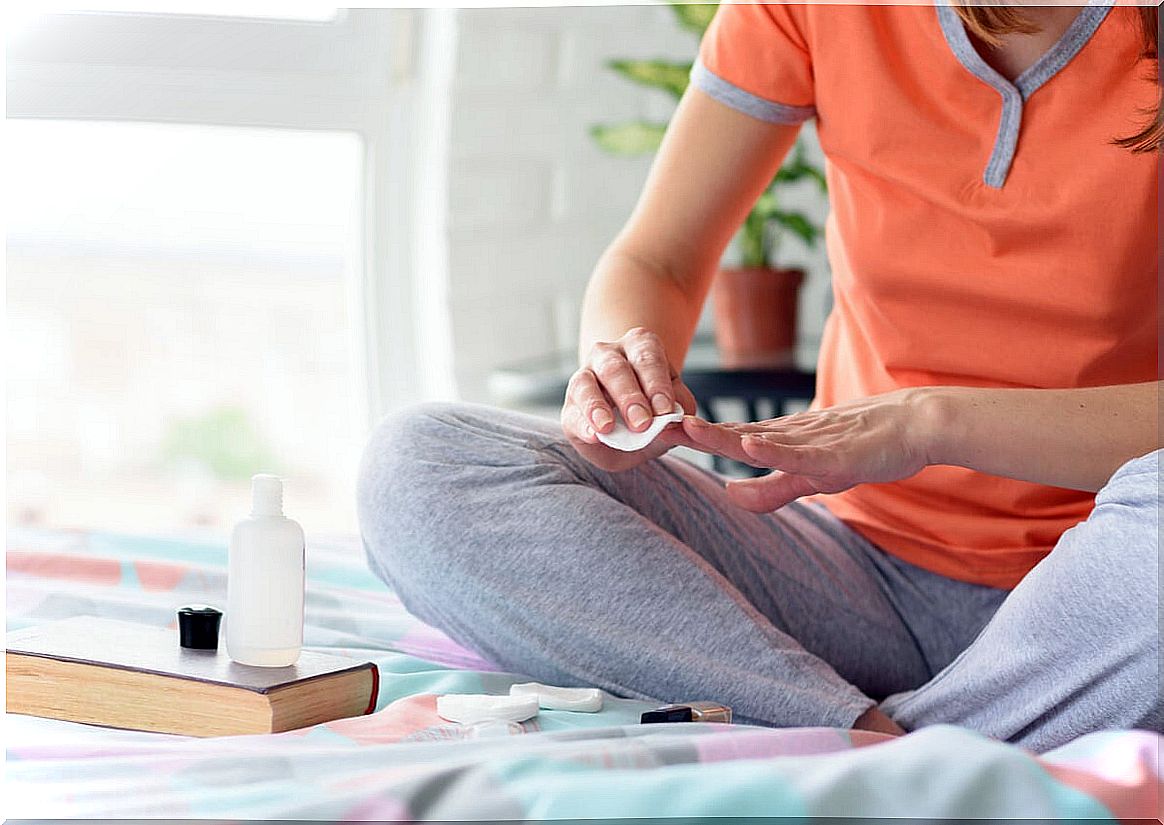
<point x="753" y="246"/>
<point x="656" y="74"/>
<point x="765" y="206"/>
<point x="818" y="175"/>
<point x="799" y="168"/>
<point x="799" y="224"/>
<point x="695" y="17"/>
<point x="629" y="139"/>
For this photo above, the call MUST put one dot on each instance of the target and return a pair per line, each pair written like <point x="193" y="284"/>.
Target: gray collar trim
<point x="1013" y="94"/>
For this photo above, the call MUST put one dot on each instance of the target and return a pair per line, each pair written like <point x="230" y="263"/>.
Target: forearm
<point x="1072" y="438"/>
<point x="713" y="164"/>
<point x="627" y="291"/>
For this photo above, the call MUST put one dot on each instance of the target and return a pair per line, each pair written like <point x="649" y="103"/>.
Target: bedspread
<point x="403" y="762"/>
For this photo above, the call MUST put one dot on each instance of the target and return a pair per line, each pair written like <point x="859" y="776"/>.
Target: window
<point x="203" y="277"/>
<point x="178" y="301"/>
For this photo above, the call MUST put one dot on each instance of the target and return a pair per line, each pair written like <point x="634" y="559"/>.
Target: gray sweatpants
<point x="651" y="585"/>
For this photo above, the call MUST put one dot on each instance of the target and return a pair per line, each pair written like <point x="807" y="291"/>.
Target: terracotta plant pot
<point x="755" y="314"/>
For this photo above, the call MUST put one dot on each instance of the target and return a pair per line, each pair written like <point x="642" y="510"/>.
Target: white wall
<point x="531" y="201"/>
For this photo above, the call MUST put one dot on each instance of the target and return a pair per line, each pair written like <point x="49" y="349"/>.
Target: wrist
<point x="934" y="422"/>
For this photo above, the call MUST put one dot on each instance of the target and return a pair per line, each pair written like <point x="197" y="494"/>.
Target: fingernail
<point x="601" y="418"/>
<point x="637" y="415"/>
<point x="739" y="487"/>
<point x="661" y="403"/>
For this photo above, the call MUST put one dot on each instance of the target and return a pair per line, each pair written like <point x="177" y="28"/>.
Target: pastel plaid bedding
<point x="404" y="763"/>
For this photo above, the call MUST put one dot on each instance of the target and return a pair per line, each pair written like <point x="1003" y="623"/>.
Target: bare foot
<point x="874" y="720"/>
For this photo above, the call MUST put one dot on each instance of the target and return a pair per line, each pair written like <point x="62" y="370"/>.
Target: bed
<point x="403" y="762"/>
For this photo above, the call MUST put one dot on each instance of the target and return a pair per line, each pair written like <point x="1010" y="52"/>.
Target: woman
<point x="990" y="363"/>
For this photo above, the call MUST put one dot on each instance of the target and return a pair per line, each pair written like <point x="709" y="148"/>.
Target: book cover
<point x="77" y="668"/>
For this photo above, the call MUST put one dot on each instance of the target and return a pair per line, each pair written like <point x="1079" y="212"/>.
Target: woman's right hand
<point x="633" y="376"/>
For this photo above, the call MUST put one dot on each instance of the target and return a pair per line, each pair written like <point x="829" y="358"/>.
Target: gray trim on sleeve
<point x="767" y="110"/>
<point x="1014" y="94"/>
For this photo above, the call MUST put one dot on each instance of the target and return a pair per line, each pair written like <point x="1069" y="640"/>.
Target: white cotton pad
<point x="471" y="708"/>
<point x="583" y="700"/>
<point x="621" y="438"/>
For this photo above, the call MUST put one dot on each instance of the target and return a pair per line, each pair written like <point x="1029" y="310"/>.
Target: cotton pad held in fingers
<point x="470" y="708"/>
<point x="583" y="700"/>
<point x="622" y="438"/>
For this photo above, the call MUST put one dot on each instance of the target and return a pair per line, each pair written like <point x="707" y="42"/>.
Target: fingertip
<point x="601" y="421"/>
<point x="692" y="423"/>
<point x="740" y="487"/>
<point x="744" y="495"/>
<point x="637" y="417"/>
<point x="753" y="445"/>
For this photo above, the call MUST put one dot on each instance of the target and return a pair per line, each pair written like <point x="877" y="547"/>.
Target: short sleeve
<point x="755" y="58"/>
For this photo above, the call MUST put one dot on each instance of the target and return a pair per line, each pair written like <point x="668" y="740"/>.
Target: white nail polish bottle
<point x="264" y="586"/>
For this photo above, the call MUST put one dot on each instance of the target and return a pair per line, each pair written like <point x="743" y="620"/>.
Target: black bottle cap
<point x="667" y="713"/>
<point x="198" y="626"/>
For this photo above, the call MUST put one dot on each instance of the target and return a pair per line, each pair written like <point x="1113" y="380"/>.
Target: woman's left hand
<point x="882" y="438"/>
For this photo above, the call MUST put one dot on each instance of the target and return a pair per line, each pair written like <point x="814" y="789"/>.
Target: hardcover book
<point x="124" y="675"/>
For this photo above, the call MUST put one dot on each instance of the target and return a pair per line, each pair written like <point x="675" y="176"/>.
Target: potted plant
<point x="756" y="301"/>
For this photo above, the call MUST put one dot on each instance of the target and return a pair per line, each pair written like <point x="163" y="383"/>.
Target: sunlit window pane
<point x="178" y="307"/>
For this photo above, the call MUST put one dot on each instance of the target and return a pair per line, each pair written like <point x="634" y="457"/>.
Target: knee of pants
<point x="1127" y="512"/>
<point x="1114" y="554"/>
<point x="1135" y="483"/>
<point x="402" y="492"/>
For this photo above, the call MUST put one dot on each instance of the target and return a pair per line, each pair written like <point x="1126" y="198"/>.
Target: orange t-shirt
<point x="983" y="233"/>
